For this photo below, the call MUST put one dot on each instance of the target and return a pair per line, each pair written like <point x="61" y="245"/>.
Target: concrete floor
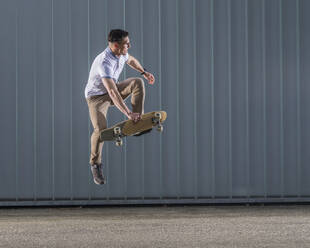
<point x="189" y="226"/>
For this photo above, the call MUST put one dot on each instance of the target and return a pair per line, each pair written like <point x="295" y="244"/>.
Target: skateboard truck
<point x="156" y="121"/>
<point x="118" y="134"/>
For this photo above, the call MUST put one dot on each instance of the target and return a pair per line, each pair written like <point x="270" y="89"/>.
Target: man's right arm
<point x="115" y="96"/>
<point x="118" y="100"/>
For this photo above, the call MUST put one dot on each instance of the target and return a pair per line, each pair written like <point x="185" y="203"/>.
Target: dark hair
<point x="117" y="35"/>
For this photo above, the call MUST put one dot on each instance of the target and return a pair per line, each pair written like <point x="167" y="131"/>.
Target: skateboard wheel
<point x="158" y="115"/>
<point x="117" y="130"/>
<point x="160" y="128"/>
<point x="119" y="143"/>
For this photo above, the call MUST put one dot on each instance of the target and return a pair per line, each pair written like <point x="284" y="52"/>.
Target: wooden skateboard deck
<point x="129" y="128"/>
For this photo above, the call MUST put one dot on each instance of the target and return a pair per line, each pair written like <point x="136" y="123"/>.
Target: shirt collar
<point x="110" y="51"/>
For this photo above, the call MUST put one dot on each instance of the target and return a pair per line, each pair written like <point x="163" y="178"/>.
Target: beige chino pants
<point x="98" y="108"/>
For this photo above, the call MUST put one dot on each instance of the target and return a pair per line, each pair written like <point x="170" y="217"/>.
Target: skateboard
<point x="129" y="128"/>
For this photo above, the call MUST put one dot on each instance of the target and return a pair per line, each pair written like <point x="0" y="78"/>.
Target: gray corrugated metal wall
<point x="232" y="75"/>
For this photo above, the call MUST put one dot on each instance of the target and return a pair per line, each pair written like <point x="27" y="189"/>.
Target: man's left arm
<point x="135" y="64"/>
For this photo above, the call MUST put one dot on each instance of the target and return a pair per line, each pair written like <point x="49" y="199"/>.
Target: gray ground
<point x="189" y="226"/>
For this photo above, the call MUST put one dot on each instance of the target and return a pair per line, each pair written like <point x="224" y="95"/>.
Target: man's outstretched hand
<point x="150" y="77"/>
<point x="134" y="116"/>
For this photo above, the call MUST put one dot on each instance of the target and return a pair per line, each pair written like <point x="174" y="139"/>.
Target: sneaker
<point x="96" y="170"/>
<point x="143" y="132"/>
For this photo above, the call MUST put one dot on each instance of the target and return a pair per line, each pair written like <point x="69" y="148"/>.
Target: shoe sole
<point x="104" y="182"/>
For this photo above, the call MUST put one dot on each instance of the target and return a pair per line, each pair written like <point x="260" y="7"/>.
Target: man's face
<point x="124" y="45"/>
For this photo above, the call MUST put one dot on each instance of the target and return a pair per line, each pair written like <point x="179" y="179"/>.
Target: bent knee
<point x="99" y="129"/>
<point x="139" y="83"/>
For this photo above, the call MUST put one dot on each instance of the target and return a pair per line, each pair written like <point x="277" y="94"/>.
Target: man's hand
<point x="134" y="116"/>
<point x="150" y="77"/>
<point x="135" y="64"/>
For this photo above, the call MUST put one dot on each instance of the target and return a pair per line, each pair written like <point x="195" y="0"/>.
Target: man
<point x="103" y="90"/>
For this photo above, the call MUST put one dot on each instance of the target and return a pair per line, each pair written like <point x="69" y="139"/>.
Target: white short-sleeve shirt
<point x="105" y="65"/>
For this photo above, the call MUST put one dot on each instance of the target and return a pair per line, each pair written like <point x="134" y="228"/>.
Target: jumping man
<point x="103" y="90"/>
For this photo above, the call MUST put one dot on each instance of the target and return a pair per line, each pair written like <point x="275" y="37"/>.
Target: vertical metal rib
<point x="143" y="138"/>
<point x="178" y="100"/>
<point x="264" y="97"/>
<point x="16" y="102"/>
<point x="247" y="98"/>
<point x="124" y="148"/>
<point x="89" y="127"/>
<point x="70" y="96"/>
<point x="298" y="98"/>
<point x="106" y="147"/>
<point x="35" y="113"/>
<point x="53" y="105"/>
<point x="212" y="97"/>
<point x="160" y="99"/>
<point x="195" y="99"/>
<point x="281" y="101"/>
<point x="229" y="101"/>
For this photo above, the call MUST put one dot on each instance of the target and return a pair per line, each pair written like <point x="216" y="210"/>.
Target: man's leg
<point x="98" y="107"/>
<point x="135" y="88"/>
